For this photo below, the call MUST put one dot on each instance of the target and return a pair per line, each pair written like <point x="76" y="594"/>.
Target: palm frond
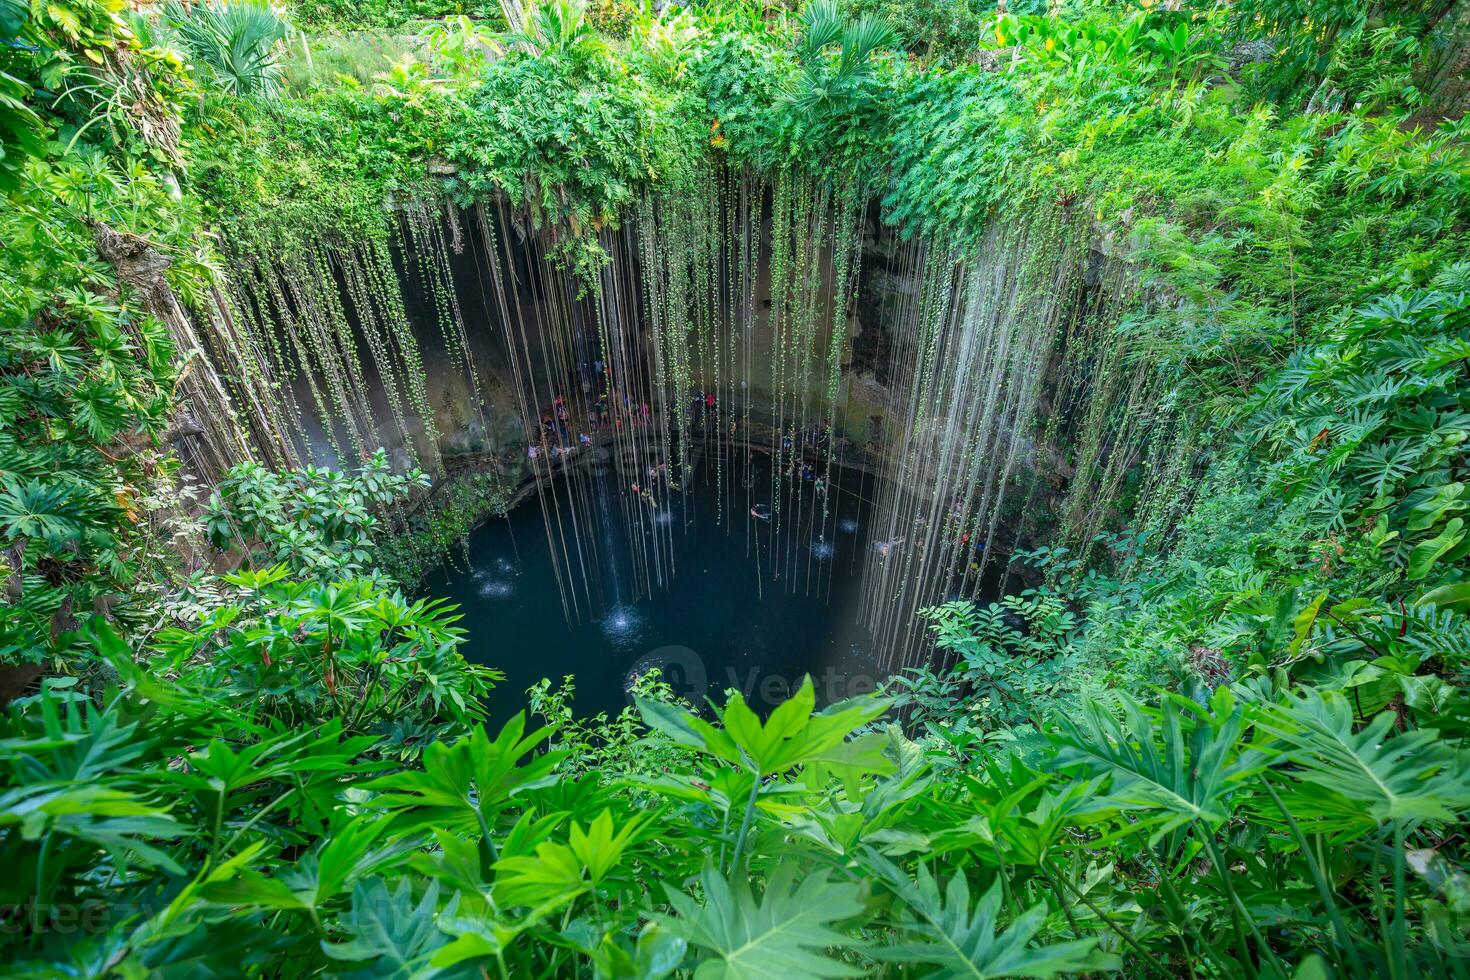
<point x="237" y="41"/>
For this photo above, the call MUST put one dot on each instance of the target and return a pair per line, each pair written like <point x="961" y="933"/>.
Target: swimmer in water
<point x="886" y="547"/>
<point x="761" y="512"/>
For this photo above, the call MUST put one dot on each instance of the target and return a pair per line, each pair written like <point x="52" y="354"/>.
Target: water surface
<point x="726" y="620"/>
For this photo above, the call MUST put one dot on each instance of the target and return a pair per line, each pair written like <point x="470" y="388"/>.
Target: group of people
<point x="808" y="464"/>
<point x="812" y="456"/>
<point x="702" y="410"/>
<point x="971" y="547"/>
<point x="554" y="435"/>
<point x="607" y="407"/>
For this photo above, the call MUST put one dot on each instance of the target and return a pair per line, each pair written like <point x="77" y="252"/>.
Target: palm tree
<point x="823" y="26"/>
<point x="557" y="27"/>
<point x="238" y="41"/>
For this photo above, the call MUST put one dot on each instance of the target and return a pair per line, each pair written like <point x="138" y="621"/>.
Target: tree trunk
<point x="203" y="397"/>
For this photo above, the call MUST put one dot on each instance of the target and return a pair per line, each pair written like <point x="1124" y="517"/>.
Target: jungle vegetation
<point x="1223" y="737"/>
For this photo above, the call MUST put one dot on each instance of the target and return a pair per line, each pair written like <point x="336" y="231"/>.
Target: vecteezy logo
<point x="680" y="667"/>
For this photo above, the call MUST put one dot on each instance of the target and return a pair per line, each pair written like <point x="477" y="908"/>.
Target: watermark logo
<point x="680" y="668"/>
<point x="691" y="679"/>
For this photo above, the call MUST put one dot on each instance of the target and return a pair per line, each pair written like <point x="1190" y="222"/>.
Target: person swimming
<point x="761" y="512"/>
<point x="885" y="548"/>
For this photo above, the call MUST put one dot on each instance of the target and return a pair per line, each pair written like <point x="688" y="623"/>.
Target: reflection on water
<point x="622" y="625"/>
<point x="742" y="612"/>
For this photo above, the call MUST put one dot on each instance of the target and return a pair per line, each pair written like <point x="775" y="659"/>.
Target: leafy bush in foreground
<point x="193" y="826"/>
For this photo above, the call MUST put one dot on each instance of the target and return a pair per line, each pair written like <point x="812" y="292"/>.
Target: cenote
<point x="393" y="396"/>
<point x="743" y="610"/>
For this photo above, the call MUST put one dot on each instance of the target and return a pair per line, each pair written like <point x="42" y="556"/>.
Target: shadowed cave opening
<point x="756" y="445"/>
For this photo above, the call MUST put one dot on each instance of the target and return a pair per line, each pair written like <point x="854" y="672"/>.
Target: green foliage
<point x="559" y="29"/>
<point x="85" y="381"/>
<point x="1334" y="52"/>
<point x="936" y="29"/>
<point x="788" y="929"/>
<point x="459" y="44"/>
<point x="739" y="78"/>
<point x="1229" y="744"/>
<point x="236" y="40"/>
<point x="840" y="95"/>
<point x="443" y="521"/>
<point x="350" y="15"/>
<point x="809" y="840"/>
<point x="607" y="746"/>
<point x="316" y="522"/>
<point x="575" y="137"/>
<point x="1013" y="657"/>
<point x="87" y="106"/>
<point x="947" y="126"/>
<point x="347" y="649"/>
<point x="1368" y="425"/>
<point x="944" y="928"/>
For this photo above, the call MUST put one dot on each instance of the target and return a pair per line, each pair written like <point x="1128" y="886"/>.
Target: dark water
<point x="722" y="623"/>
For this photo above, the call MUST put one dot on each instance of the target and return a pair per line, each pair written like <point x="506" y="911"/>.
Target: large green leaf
<point x="792" y="736"/>
<point x="463" y="784"/>
<point x="1426" y="553"/>
<point x="387" y="930"/>
<point x="1170" y="767"/>
<point x="13" y="16"/>
<point x="1455" y="595"/>
<point x="1410" y="776"/>
<point x="557" y="873"/>
<point x="943" y="931"/>
<point x="778" y="934"/>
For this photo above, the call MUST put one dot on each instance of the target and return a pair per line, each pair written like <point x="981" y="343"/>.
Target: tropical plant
<point x="350" y="650"/>
<point x="237" y="41"/>
<point x="84" y="382"/>
<point x="1228" y="742"/>
<point x="442" y="522"/>
<point x="1249" y="814"/>
<point x="317" y="522"/>
<point x="837" y="94"/>
<point x="559" y="29"/>
<point x="460" y="45"/>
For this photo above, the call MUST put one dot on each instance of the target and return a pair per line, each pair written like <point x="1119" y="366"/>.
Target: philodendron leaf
<point x="792" y="736"/>
<point x="1410" y="776"/>
<point x="558" y="872"/>
<point x="657" y="954"/>
<point x="945" y="931"/>
<point x="785" y="932"/>
<point x="1455" y="596"/>
<point x="1302" y="624"/>
<point x="1446" y="500"/>
<point x="465" y="780"/>
<point x="1167" y="768"/>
